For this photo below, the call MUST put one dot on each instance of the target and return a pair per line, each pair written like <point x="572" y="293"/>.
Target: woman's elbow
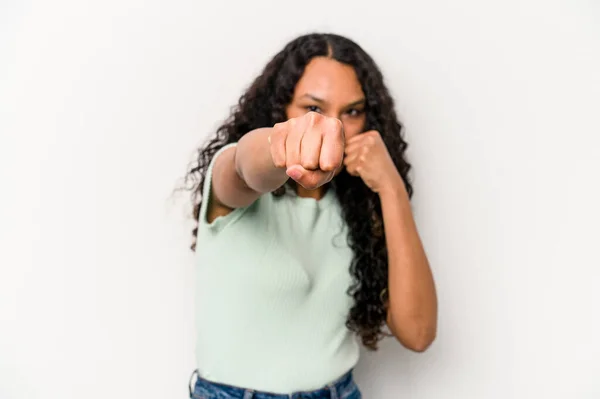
<point x="417" y="340"/>
<point x="420" y="344"/>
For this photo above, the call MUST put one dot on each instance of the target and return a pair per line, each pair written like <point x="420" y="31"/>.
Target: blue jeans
<point x="343" y="388"/>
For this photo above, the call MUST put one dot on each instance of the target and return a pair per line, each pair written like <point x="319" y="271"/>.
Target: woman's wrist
<point x="254" y="164"/>
<point x="393" y="188"/>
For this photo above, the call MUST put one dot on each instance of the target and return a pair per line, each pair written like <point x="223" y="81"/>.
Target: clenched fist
<point x="368" y="157"/>
<point x="310" y="147"/>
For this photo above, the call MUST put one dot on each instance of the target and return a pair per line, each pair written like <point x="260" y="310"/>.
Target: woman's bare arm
<point x="308" y="148"/>
<point x="243" y="173"/>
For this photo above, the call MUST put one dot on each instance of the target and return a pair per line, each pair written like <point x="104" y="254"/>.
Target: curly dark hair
<point x="263" y="104"/>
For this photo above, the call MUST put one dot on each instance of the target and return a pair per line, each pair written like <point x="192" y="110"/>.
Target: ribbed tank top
<point x="271" y="294"/>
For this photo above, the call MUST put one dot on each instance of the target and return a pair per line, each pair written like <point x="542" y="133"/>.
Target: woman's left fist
<point x="367" y="156"/>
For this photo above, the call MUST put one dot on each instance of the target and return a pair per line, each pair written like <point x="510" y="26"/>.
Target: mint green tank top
<point x="271" y="294"/>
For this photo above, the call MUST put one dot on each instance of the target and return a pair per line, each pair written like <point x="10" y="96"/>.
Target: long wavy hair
<point x="263" y="104"/>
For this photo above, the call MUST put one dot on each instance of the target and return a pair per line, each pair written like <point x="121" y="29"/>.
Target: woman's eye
<point x="313" y="108"/>
<point x="353" y="112"/>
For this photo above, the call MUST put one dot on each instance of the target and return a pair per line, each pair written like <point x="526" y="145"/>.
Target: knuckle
<point x="329" y="165"/>
<point x="326" y="166"/>
<point x="278" y="131"/>
<point x="310" y="164"/>
<point x="279" y="163"/>
<point x="314" y="117"/>
<point x="335" y="122"/>
<point x="283" y="126"/>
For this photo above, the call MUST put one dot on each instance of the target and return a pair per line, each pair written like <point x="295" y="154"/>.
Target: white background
<point x="103" y="103"/>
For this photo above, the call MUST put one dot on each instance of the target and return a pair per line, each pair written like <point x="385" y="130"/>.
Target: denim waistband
<point x="335" y="390"/>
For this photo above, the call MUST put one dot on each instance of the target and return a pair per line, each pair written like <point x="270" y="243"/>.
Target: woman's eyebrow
<point x="355" y="103"/>
<point x="314" y="98"/>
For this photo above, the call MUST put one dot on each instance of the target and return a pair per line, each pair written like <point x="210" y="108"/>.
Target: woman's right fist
<point x="310" y="147"/>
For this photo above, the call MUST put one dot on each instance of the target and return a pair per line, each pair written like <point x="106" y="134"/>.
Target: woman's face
<point x="332" y="89"/>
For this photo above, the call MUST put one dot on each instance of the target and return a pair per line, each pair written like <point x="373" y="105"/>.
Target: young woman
<point x="305" y="236"/>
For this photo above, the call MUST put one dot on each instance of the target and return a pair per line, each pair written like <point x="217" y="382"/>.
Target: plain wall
<point x="103" y="103"/>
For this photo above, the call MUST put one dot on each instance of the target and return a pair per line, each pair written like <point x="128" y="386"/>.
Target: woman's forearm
<point x="412" y="312"/>
<point x="245" y="172"/>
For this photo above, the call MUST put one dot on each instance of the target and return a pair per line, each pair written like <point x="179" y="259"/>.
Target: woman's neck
<point x="316" y="194"/>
